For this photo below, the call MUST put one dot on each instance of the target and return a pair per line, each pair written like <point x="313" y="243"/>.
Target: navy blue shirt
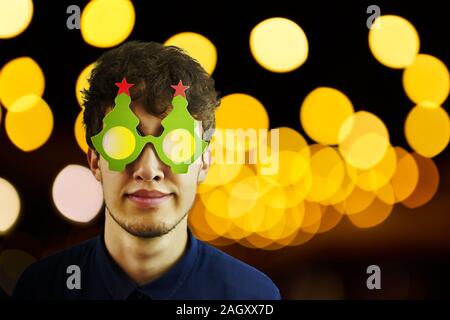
<point x="203" y="272"/>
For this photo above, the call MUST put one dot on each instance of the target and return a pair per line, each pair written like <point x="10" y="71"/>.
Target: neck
<point x="144" y="259"/>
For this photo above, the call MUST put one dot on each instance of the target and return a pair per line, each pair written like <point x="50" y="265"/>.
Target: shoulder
<point x="39" y="278"/>
<point x="238" y="279"/>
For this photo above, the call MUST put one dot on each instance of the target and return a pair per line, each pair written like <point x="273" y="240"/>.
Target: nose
<point x="147" y="167"/>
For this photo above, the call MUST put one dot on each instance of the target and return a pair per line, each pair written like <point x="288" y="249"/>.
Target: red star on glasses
<point x="124" y="86"/>
<point x="180" y="89"/>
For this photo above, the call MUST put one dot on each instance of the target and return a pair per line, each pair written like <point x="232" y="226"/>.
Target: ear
<point x="206" y="163"/>
<point x="93" y="159"/>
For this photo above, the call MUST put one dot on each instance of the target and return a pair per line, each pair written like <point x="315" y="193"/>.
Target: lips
<point x="148" y="198"/>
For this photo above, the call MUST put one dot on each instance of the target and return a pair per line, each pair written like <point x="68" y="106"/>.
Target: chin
<point x="147" y="222"/>
<point x="148" y="232"/>
<point x="150" y="221"/>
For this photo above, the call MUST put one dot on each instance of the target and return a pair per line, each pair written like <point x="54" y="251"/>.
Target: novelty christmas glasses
<point x="120" y="142"/>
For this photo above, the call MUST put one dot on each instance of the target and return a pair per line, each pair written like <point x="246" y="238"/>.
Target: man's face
<point x="169" y="196"/>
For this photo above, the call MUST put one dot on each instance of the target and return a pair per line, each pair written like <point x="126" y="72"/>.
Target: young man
<point x="146" y="250"/>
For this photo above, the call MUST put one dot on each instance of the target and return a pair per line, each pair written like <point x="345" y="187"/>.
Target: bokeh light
<point x="279" y="44"/>
<point x="379" y="175"/>
<point x="219" y="225"/>
<point x="12" y="263"/>
<point x="15" y="16"/>
<point x="265" y="218"/>
<point x="406" y="176"/>
<point x="330" y="219"/>
<point x="220" y="174"/>
<point x="314" y="186"/>
<point x="197" y="221"/>
<point x="427" y="130"/>
<point x="290" y="222"/>
<point x="394" y="42"/>
<point x="252" y="114"/>
<point x="9" y="206"/>
<point x="243" y="197"/>
<point x="76" y="193"/>
<point x="83" y="83"/>
<point x="291" y="140"/>
<point x="373" y="215"/>
<point x="106" y="23"/>
<point x="427" y="80"/>
<point x="363" y="140"/>
<point x="235" y="233"/>
<point x="29" y="122"/>
<point x="245" y="171"/>
<point x="198" y="47"/>
<point x="386" y="194"/>
<point x="346" y="187"/>
<point x="357" y="201"/>
<point x="327" y="169"/>
<point x="80" y="133"/>
<point x="313" y="217"/>
<point x="216" y="202"/>
<point x="288" y="196"/>
<point x="292" y="167"/>
<point x="427" y="185"/>
<point x="322" y="114"/>
<point x="19" y="77"/>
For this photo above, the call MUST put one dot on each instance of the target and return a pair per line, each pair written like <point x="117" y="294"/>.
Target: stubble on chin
<point x="144" y="230"/>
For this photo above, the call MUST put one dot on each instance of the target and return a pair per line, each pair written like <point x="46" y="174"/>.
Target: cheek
<point x="187" y="187"/>
<point x="112" y="184"/>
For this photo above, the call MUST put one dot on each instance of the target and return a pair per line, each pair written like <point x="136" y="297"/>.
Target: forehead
<point x="149" y="123"/>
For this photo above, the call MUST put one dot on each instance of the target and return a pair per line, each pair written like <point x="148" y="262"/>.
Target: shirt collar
<point x="120" y="286"/>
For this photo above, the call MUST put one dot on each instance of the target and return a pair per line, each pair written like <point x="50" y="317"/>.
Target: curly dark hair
<point x="153" y="68"/>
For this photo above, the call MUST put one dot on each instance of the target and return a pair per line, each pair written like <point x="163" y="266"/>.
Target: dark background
<point x="412" y="246"/>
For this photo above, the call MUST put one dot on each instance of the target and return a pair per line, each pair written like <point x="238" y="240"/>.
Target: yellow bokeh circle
<point x="363" y="140"/>
<point x="279" y="44"/>
<point x="240" y="133"/>
<point x="427" y="80"/>
<point x="82" y="82"/>
<point x="427" y="130"/>
<point x="327" y="170"/>
<point x="322" y="113"/>
<point x="406" y="175"/>
<point x="394" y="42"/>
<point x="241" y="111"/>
<point x="377" y="212"/>
<point x="379" y="175"/>
<point x="15" y="16"/>
<point x="292" y="166"/>
<point x="119" y="142"/>
<point x="29" y="122"/>
<point x="427" y="184"/>
<point x="357" y="201"/>
<point x="19" y="77"/>
<point x="106" y="23"/>
<point x="80" y="133"/>
<point x="198" y="47"/>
